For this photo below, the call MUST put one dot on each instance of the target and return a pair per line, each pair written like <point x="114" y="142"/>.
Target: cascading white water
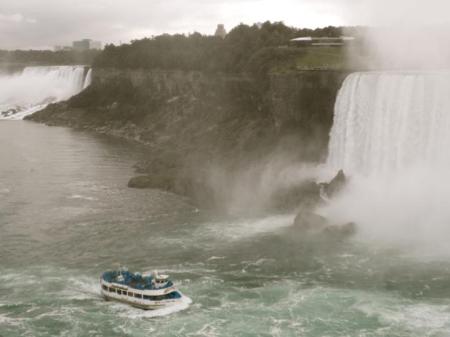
<point x="24" y="93"/>
<point x="88" y="79"/>
<point x="391" y="121"/>
<point x="391" y="135"/>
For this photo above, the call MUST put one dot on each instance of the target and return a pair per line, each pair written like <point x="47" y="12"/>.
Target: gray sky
<point x="44" y="23"/>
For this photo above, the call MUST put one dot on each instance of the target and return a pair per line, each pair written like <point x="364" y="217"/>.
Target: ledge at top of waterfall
<point x="145" y="291"/>
<point x="32" y="89"/>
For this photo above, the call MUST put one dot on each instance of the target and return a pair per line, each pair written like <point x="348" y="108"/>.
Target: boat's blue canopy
<point x="133" y="280"/>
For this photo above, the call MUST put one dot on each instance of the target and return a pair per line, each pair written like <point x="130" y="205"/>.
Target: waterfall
<point x="32" y="89"/>
<point x="88" y="79"/>
<point x="391" y="121"/>
<point x="391" y="135"/>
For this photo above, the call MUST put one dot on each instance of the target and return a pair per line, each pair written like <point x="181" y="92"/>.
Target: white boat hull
<point x="122" y="294"/>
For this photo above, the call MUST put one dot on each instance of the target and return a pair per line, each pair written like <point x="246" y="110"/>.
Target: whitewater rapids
<point x="32" y="89"/>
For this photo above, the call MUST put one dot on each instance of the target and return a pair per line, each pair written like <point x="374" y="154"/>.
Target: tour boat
<point x="146" y="291"/>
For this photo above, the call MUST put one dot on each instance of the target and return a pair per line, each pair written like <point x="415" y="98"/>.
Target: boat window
<point x="130" y="294"/>
<point x="138" y="295"/>
<point x="119" y="292"/>
<point x="112" y="290"/>
<point x="104" y="287"/>
<point x="172" y="295"/>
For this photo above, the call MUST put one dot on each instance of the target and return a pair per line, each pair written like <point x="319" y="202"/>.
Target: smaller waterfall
<point x="88" y="79"/>
<point x="31" y="90"/>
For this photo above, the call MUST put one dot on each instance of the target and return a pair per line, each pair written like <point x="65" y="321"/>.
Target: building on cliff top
<point x="322" y="41"/>
<point x="86" y="44"/>
<point x="220" y="31"/>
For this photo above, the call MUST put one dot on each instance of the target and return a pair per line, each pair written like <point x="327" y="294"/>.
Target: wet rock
<point x="310" y="222"/>
<point x="335" y="185"/>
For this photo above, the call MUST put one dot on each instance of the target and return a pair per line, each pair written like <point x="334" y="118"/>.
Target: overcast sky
<point x="45" y="23"/>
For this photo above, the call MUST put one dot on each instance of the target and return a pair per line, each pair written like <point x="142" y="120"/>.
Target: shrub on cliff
<point x="120" y="91"/>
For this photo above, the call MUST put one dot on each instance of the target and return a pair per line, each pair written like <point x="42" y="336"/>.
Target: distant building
<point x="86" y="44"/>
<point x="95" y="45"/>
<point x="62" y="48"/>
<point x="220" y="31"/>
<point x="81" y="45"/>
<point x="322" y="41"/>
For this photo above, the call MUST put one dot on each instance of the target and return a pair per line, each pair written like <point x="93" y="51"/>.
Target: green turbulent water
<point x="66" y="216"/>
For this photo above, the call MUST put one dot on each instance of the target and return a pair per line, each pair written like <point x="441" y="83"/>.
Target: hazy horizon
<point x="31" y="25"/>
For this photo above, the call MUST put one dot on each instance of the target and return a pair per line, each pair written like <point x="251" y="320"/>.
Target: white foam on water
<point x="420" y="316"/>
<point x="127" y="311"/>
<point x="82" y="197"/>
<point x="246" y="228"/>
<point x="212" y="258"/>
<point x="16" y="322"/>
<point x="82" y="288"/>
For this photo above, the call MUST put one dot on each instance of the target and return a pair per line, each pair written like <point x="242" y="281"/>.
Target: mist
<point x="404" y="34"/>
<point x="257" y="188"/>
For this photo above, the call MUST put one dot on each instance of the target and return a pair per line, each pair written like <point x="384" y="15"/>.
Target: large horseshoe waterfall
<point x="391" y="134"/>
<point x="30" y="90"/>
<point x="391" y="121"/>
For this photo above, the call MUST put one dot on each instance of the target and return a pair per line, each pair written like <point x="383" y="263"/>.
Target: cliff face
<point x="163" y="109"/>
<point x="194" y="123"/>
<point x="302" y="104"/>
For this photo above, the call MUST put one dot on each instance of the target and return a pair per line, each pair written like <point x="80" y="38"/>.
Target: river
<point x="66" y="216"/>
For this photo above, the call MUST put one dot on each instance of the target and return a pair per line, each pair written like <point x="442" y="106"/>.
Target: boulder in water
<point x="309" y="222"/>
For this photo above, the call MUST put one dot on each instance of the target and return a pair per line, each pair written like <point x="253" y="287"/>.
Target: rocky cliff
<point x="199" y="126"/>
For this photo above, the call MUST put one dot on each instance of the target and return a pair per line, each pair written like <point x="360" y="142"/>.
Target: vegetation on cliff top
<point x="256" y="48"/>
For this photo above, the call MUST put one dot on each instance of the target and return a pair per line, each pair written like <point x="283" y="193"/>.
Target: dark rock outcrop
<point x="310" y="223"/>
<point x="335" y="185"/>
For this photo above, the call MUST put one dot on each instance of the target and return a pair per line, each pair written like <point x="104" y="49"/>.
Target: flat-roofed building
<point x="322" y="41"/>
<point x="86" y="44"/>
<point x="220" y="31"/>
